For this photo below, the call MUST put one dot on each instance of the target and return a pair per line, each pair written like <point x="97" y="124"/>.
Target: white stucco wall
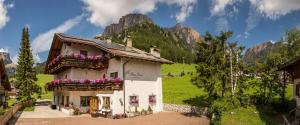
<point x="80" y="73"/>
<point x="143" y="79"/>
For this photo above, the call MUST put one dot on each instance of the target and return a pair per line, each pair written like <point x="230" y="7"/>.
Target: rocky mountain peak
<point x="6" y="57"/>
<point x="258" y="51"/>
<point x="126" y="21"/>
<point x="186" y="34"/>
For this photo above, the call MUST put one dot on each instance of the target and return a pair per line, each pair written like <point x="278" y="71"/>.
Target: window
<point x="133" y="100"/>
<point x="106" y="102"/>
<point x="114" y="75"/>
<point x="152" y="99"/>
<point x="83" y="53"/>
<point x="62" y="100"/>
<point x="67" y="103"/>
<point x="84" y="101"/>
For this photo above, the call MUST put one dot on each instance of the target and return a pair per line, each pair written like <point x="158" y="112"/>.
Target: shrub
<point x="2" y="111"/>
<point x="182" y="74"/>
<point x="222" y="105"/>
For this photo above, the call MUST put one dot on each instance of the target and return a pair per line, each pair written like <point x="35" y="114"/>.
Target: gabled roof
<point x="114" y="49"/>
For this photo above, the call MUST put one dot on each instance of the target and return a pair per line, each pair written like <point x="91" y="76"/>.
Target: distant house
<point x="96" y="75"/>
<point x="293" y="68"/>
<point x="4" y="83"/>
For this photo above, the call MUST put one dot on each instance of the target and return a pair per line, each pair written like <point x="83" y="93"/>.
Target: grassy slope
<point x="42" y="80"/>
<point x="177" y="90"/>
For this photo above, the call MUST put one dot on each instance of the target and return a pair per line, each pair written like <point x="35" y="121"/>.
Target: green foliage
<point x="146" y="34"/>
<point x="29" y="108"/>
<point x="221" y="105"/>
<point x="41" y="82"/>
<point x="25" y="74"/>
<point x="2" y="111"/>
<point x="216" y="65"/>
<point x="40" y="67"/>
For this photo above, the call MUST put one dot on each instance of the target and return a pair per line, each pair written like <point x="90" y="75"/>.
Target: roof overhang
<point x="59" y="39"/>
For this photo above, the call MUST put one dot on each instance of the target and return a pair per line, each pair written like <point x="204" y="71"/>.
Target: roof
<point x="113" y="48"/>
<point x="288" y="65"/>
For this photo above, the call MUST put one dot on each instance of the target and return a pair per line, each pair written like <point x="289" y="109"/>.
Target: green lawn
<point x="247" y="116"/>
<point x="177" y="68"/>
<point x="42" y="80"/>
<point x="178" y="90"/>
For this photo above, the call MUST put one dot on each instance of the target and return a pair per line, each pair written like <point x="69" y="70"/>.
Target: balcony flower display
<point x="75" y="56"/>
<point x="101" y="81"/>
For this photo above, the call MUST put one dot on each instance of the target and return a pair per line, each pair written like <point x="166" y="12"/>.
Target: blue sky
<point x="252" y="21"/>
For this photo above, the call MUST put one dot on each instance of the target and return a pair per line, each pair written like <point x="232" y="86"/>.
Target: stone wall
<point x="186" y="109"/>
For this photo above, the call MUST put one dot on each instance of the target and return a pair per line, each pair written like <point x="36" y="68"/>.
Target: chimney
<point x="155" y="51"/>
<point x="129" y="41"/>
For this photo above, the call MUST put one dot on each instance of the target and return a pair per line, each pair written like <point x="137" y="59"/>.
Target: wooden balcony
<point x="66" y="63"/>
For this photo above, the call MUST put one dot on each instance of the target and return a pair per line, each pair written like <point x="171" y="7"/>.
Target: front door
<point x="94" y="104"/>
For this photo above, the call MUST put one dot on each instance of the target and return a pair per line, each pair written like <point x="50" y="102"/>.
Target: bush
<point x="76" y="111"/>
<point x="2" y="111"/>
<point x="222" y="105"/>
<point x="182" y="74"/>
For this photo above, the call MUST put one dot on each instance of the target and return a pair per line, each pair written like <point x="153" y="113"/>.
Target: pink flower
<point x="87" y="81"/>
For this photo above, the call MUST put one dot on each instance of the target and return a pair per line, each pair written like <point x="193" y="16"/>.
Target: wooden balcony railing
<point x="63" y="62"/>
<point x="84" y="85"/>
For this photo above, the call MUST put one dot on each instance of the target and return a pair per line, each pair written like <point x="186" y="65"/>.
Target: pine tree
<point x="25" y="73"/>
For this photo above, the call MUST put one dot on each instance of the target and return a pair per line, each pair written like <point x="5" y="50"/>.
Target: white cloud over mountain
<point x="105" y="12"/>
<point x="4" y="18"/>
<point x="274" y="9"/>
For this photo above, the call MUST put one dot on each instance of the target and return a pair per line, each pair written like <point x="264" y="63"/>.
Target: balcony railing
<point x="85" y="84"/>
<point x="77" y="60"/>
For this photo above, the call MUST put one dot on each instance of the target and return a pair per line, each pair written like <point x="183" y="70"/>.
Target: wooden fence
<point x="11" y="111"/>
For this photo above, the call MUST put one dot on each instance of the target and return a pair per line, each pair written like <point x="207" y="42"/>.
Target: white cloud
<point x="104" y="12"/>
<point x="187" y="7"/>
<point x="42" y="42"/>
<point x="5" y="50"/>
<point x="222" y="24"/>
<point x="4" y="18"/>
<point x="218" y="6"/>
<point x="252" y="19"/>
<point x="273" y="9"/>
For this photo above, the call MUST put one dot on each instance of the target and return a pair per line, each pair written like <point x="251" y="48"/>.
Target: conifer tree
<point x="25" y="73"/>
